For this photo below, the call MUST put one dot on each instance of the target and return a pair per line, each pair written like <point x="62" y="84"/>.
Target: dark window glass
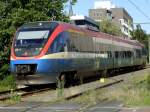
<point x="30" y="43"/>
<point x="73" y="42"/>
<point x="31" y="38"/>
<point x="138" y="53"/>
<point x="109" y="54"/>
<point x="144" y="51"/>
<point x="116" y="54"/>
<point x="59" y="44"/>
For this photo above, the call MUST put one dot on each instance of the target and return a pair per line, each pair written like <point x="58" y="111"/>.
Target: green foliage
<point x="148" y="82"/>
<point x="74" y="1"/>
<point x="15" y="98"/>
<point x="14" y="13"/>
<point x="4" y="71"/>
<point x="140" y="35"/>
<point x="7" y="83"/>
<point x="60" y="88"/>
<point x="107" y="26"/>
<point x="5" y="43"/>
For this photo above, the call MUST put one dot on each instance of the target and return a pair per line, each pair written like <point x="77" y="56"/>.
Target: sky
<point x="82" y="7"/>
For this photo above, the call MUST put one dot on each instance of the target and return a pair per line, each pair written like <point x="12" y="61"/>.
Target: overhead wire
<point x="142" y="12"/>
<point x="142" y="23"/>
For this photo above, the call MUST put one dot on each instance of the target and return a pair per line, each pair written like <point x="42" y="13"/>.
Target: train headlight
<point x="17" y="49"/>
<point x="38" y="49"/>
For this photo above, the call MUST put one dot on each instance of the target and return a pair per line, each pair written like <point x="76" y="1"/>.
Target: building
<point x="85" y="22"/>
<point x="105" y="9"/>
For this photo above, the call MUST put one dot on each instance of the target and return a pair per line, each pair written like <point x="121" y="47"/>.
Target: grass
<point x="7" y="84"/>
<point x="91" y="97"/>
<point x="15" y="98"/>
<point x="60" y="89"/>
<point x="135" y="92"/>
<point x="131" y="97"/>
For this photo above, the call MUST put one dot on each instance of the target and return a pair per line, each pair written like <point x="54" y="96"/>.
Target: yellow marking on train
<point x="102" y="80"/>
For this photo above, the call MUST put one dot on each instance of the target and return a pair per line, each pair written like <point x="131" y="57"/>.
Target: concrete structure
<point x="84" y="22"/>
<point x="104" y="9"/>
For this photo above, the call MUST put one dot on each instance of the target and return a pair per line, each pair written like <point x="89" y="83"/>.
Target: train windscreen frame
<point x="31" y="38"/>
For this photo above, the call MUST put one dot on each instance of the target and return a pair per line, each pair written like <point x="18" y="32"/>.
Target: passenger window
<point x="116" y="54"/>
<point x="59" y="44"/>
<point x="73" y="42"/>
<point x="109" y="54"/>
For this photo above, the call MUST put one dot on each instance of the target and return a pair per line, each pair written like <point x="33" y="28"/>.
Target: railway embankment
<point x="134" y="91"/>
<point x="131" y="93"/>
<point x="130" y="88"/>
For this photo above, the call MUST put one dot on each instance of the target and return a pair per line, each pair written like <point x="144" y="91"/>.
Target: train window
<point x="103" y="54"/>
<point x="124" y="54"/>
<point x="116" y="54"/>
<point x="85" y="43"/>
<point x="73" y="42"/>
<point x="59" y="44"/>
<point x="79" y="42"/>
<point x="109" y="54"/>
<point x="121" y="54"/>
<point x="138" y="53"/>
<point x="144" y="51"/>
<point x="129" y="54"/>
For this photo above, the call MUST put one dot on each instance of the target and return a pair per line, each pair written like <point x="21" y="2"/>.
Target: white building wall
<point x="125" y="27"/>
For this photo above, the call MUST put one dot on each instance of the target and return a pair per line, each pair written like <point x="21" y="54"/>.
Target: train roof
<point x="103" y="35"/>
<point x="50" y="24"/>
<point x="39" y="24"/>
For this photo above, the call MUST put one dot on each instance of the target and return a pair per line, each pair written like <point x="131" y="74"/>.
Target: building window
<point x="125" y="21"/>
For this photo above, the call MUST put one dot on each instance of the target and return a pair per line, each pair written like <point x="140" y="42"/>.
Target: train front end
<point x="30" y="44"/>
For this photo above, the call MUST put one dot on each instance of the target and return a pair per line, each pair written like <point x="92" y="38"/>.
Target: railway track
<point x="69" y="92"/>
<point x="24" y="92"/>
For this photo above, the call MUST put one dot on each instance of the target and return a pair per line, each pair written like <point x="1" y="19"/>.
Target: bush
<point x="4" y="71"/>
<point x="148" y="82"/>
<point x="7" y="83"/>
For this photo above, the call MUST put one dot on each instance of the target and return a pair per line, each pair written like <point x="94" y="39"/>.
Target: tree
<point x="73" y="2"/>
<point x="14" y="13"/>
<point x="107" y="26"/>
<point x="140" y="35"/>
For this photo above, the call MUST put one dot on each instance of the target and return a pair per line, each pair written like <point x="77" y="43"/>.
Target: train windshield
<point x="30" y="43"/>
<point x="31" y="38"/>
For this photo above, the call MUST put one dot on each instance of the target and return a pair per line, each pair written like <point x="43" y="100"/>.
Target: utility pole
<point x="70" y="8"/>
<point x="149" y="50"/>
